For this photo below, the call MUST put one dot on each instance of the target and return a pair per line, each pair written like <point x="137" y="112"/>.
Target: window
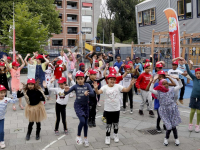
<point x="58" y="3"/>
<point x="72" y="5"/>
<point x="72" y="18"/>
<point x="87" y="6"/>
<point x="71" y="42"/>
<point x="198" y="8"/>
<point x="184" y="9"/>
<point x="87" y="30"/>
<point x="72" y="30"/>
<point x="61" y="31"/>
<point x="147" y="17"/>
<point x="86" y="18"/>
<point x="57" y="42"/>
<point x="60" y="16"/>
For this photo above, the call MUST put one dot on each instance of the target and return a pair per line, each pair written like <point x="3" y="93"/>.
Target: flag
<point x="174" y="32"/>
<point x="14" y="54"/>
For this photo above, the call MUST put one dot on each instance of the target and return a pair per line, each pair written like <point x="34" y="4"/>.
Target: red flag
<point x="173" y="31"/>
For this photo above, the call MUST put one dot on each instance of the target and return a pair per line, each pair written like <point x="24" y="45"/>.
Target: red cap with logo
<point x="2" y="64"/>
<point x="113" y="71"/>
<point x="62" y="80"/>
<point x="127" y="67"/>
<point x="159" y="65"/>
<point x="15" y="63"/>
<point x="2" y="88"/>
<point x="92" y="71"/>
<point x="197" y="69"/>
<point x="79" y="74"/>
<point x="175" y="63"/>
<point x="130" y="62"/>
<point x="111" y="75"/>
<point x="146" y="65"/>
<point x="31" y="80"/>
<point x="59" y="62"/>
<point x="81" y="64"/>
<point x="39" y="56"/>
<point x="147" y="60"/>
<point x="161" y="72"/>
<point x="9" y="58"/>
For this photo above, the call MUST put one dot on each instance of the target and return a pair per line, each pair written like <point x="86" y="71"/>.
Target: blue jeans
<point x="83" y="123"/>
<point x="1" y="130"/>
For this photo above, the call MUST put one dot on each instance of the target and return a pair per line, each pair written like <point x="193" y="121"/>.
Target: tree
<point x="30" y="33"/>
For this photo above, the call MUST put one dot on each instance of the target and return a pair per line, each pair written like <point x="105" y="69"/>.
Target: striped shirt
<point x="4" y="103"/>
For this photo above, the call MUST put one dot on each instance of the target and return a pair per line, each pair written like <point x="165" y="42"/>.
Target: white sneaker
<point x="86" y="143"/>
<point x="124" y="111"/>
<point x="116" y="138"/>
<point x="71" y="95"/>
<point x="79" y="141"/>
<point x="107" y="140"/>
<point x="131" y="111"/>
<point x="97" y="110"/>
<point x="126" y="104"/>
<point x="165" y="142"/>
<point x="177" y="142"/>
<point x="98" y="104"/>
<point x="3" y="145"/>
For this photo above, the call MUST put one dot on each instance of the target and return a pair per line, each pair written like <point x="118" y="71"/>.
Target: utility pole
<point x="103" y="41"/>
<point x="113" y="46"/>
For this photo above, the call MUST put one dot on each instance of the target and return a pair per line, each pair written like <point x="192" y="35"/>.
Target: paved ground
<point x="130" y="131"/>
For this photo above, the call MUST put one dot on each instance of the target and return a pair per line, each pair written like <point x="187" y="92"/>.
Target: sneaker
<point x="151" y="114"/>
<point x="3" y="145"/>
<point x="177" y="142"/>
<point x="181" y="101"/>
<point x="96" y="110"/>
<point x="165" y="142"/>
<point x="116" y="138"/>
<point x="131" y="111"/>
<point x="79" y="141"/>
<point x="90" y="124"/>
<point x="93" y="123"/>
<point x="141" y="112"/>
<point x="71" y="95"/>
<point x="190" y="127"/>
<point x="98" y="104"/>
<point x="57" y="133"/>
<point x="66" y="132"/>
<point x="197" y="128"/>
<point x="124" y="111"/>
<point x="107" y="140"/>
<point x="86" y="143"/>
<point x="158" y="129"/>
<point x="126" y="104"/>
<point x="164" y="127"/>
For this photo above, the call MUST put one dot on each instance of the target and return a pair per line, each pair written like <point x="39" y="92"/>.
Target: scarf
<point x="160" y="87"/>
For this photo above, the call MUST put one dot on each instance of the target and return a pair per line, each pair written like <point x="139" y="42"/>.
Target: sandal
<point x="14" y="108"/>
<point x="22" y="107"/>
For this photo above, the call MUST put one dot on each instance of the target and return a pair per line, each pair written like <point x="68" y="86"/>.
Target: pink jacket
<point x="72" y="62"/>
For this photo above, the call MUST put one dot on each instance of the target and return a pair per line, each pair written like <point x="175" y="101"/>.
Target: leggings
<point x="92" y="112"/>
<point x="158" y="119"/>
<point x="135" y="88"/>
<point x="182" y="90"/>
<point x="192" y="112"/>
<point x="30" y="125"/>
<point x="130" y="95"/>
<point x="60" y="110"/>
<point x="98" y="96"/>
<point x="112" y="119"/>
<point x="2" y="130"/>
<point x="83" y="123"/>
<point x="175" y="132"/>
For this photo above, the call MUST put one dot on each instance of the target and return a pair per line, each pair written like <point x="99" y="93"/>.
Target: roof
<point x="110" y="45"/>
<point x="143" y="2"/>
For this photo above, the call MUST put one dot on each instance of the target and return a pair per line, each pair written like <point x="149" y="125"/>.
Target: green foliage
<point x="30" y="33"/>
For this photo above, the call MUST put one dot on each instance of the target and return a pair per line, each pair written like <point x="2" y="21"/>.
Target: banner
<point x="173" y="31"/>
<point x="88" y="47"/>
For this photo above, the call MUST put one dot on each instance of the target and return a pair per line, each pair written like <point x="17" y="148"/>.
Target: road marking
<point x="53" y="142"/>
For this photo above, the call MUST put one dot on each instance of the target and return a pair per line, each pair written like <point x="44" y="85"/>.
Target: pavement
<point x="132" y="130"/>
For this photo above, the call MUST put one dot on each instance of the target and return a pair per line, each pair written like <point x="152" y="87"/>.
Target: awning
<point x="87" y="4"/>
<point x="110" y="45"/>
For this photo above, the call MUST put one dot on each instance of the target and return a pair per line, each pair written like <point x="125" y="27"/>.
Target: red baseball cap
<point x="2" y="64"/>
<point x="39" y="56"/>
<point x="147" y="60"/>
<point x="81" y="64"/>
<point x="130" y="62"/>
<point x="161" y="72"/>
<point x="29" y="59"/>
<point x="2" y="88"/>
<point x="146" y="65"/>
<point x="127" y="66"/>
<point x="111" y="75"/>
<point x="113" y="71"/>
<point x="159" y="65"/>
<point x="79" y="74"/>
<point x="96" y="61"/>
<point x="62" y="80"/>
<point x="31" y="80"/>
<point x="92" y="72"/>
<point x="111" y="68"/>
<point x="175" y="63"/>
<point x="197" y="69"/>
<point x="59" y="62"/>
<point x="9" y="58"/>
<point x="15" y="63"/>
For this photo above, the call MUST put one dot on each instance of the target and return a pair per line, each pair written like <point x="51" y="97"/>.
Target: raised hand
<point x="5" y="58"/>
<point x="44" y="84"/>
<point x="28" y="55"/>
<point x="43" y="56"/>
<point x="133" y="81"/>
<point x="86" y="93"/>
<point x="66" y="88"/>
<point x="95" y="85"/>
<point x="53" y="79"/>
<point x="19" y="56"/>
<point x="70" y="75"/>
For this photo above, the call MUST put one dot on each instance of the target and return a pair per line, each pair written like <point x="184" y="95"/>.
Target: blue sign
<point x="98" y="49"/>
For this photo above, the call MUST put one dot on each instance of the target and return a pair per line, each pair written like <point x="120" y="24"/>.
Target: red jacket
<point x="143" y="81"/>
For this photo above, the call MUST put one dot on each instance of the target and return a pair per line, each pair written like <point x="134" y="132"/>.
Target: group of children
<point x="121" y="79"/>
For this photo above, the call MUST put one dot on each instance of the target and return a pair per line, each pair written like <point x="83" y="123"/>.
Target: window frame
<point x="151" y="21"/>
<point x="72" y="30"/>
<point x="141" y="16"/>
<point x="87" y="16"/>
<point x="154" y="14"/>
<point x="198" y="10"/>
<point x="179" y="7"/>
<point x="57" y="40"/>
<point x="184" y="9"/>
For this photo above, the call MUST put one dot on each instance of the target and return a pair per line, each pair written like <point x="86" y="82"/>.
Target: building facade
<point x="150" y="16"/>
<point x="78" y="17"/>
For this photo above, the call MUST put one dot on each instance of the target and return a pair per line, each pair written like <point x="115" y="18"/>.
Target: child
<point x="15" y="82"/>
<point x="9" y="60"/>
<point x="112" y="104"/>
<point x="3" y="76"/>
<point x="81" y="105"/>
<point x="3" y="105"/>
<point x="34" y="110"/>
<point x="30" y="66"/>
<point x="141" y="85"/>
<point x="168" y="109"/>
<point x="194" y="98"/>
<point x="58" y="72"/>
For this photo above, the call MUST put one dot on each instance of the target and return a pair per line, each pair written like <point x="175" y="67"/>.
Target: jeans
<point x="83" y="123"/>
<point x="1" y="130"/>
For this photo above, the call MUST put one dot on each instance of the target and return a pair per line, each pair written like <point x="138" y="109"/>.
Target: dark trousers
<point x="92" y="112"/>
<point x="98" y="96"/>
<point x="30" y="127"/>
<point x="104" y="114"/>
<point x="2" y="130"/>
<point x="112" y="119"/>
<point x="158" y="119"/>
<point x="83" y="123"/>
<point x="60" y="110"/>
<point x="182" y="90"/>
<point x="135" y="88"/>
<point x="130" y="95"/>
<point x="175" y="132"/>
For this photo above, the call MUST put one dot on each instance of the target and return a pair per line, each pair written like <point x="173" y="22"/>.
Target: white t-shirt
<point x="127" y="80"/>
<point x="112" y="101"/>
<point x="176" y="73"/>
